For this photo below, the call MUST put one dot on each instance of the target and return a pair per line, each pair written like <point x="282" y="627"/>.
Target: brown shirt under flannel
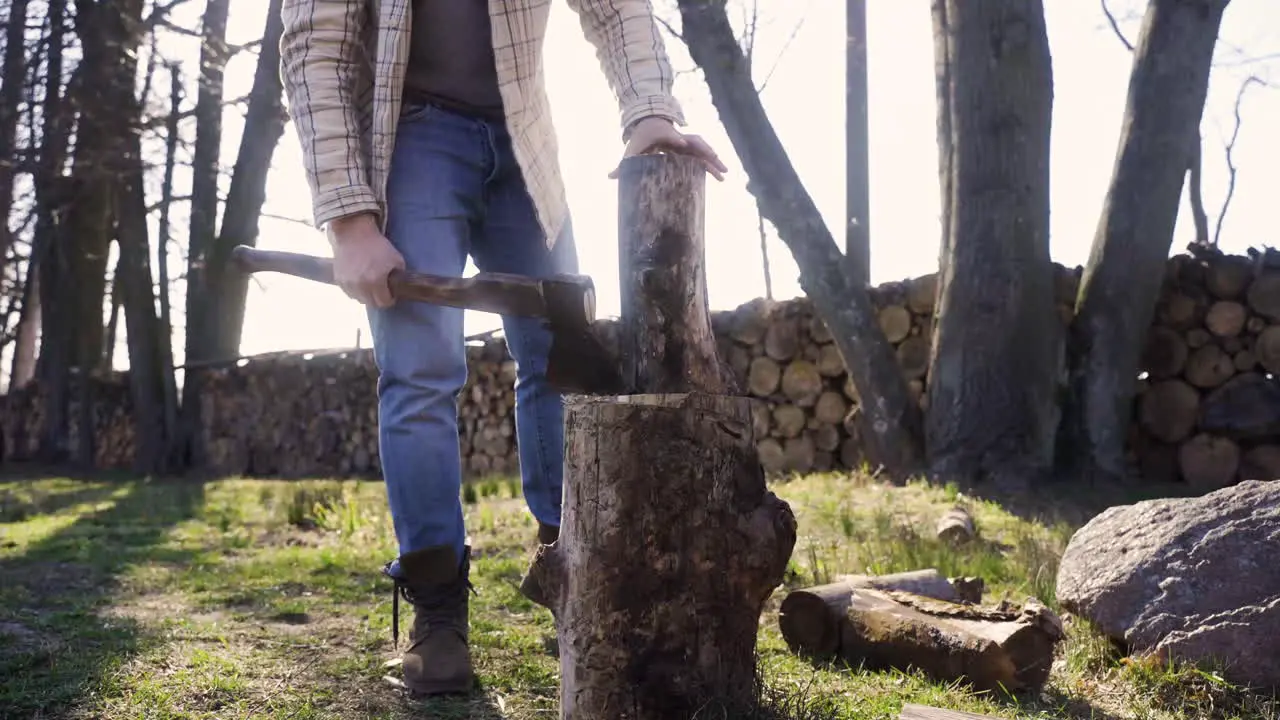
<point x="343" y="66"/>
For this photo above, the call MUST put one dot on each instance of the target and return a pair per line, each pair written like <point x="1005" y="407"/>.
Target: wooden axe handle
<point x="500" y="293"/>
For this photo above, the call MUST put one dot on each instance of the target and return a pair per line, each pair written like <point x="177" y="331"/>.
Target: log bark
<point x="669" y="546"/>
<point x="992" y="376"/>
<point x="810" y="618"/>
<point x="1122" y="280"/>
<point x="992" y="648"/>
<point x="892" y="422"/>
<point x="666" y="341"/>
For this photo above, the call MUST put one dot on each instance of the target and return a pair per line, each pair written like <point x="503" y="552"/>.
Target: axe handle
<point x="499" y="293"/>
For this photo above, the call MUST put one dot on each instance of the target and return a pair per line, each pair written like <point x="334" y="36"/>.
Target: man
<point x="427" y="138"/>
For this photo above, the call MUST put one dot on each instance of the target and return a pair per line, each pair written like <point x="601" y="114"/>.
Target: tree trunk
<point x="110" y="33"/>
<point x="263" y="127"/>
<point x="993" y="375"/>
<point x="134" y="281"/>
<point x="147" y="383"/>
<point x="667" y="344"/>
<point x="23" y="369"/>
<point x="669" y="547"/>
<point x="891" y="419"/>
<point x="53" y="193"/>
<point x="1121" y="283"/>
<point x="162" y="260"/>
<point x="113" y="321"/>
<point x="13" y="80"/>
<point x="857" y="245"/>
<point x="203" y="228"/>
<point x="670" y="542"/>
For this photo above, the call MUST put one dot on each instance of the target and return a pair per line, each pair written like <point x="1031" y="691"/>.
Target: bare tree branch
<point x="1115" y="25"/>
<point x="286" y="218"/>
<point x="1229" y="151"/>
<point x="160" y="13"/>
<point x="795" y="31"/>
<point x="669" y="28"/>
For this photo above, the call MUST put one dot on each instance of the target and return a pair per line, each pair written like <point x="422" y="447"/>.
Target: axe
<point x="578" y="361"/>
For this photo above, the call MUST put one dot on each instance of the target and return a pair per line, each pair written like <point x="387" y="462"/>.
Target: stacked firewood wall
<point x="316" y="414"/>
<point x="784" y="357"/>
<point x="1206" y="411"/>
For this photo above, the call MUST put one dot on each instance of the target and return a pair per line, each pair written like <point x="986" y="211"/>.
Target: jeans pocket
<point x="416" y="111"/>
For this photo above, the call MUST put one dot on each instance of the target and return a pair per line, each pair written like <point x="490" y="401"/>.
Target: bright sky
<point x="805" y="100"/>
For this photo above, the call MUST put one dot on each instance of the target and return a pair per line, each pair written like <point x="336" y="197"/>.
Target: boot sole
<point x="450" y="687"/>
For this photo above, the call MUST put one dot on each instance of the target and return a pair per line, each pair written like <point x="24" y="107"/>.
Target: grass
<point x="264" y="599"/>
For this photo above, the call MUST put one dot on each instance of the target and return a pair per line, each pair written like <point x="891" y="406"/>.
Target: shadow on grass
<point x="1054" y="500"/>
<point x="19" y="503"/>
<point x="57" y="645"/>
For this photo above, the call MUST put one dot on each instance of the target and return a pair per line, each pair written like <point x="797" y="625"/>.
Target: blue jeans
<point x="455" y="190"/>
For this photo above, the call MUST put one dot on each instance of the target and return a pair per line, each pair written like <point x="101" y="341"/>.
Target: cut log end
<point x="956" y="527"/>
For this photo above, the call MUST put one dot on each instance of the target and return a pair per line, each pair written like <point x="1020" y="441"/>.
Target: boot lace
<point x="431" y="601"/>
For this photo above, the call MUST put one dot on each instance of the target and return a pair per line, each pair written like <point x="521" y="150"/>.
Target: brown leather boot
<point x="436" y="583"/>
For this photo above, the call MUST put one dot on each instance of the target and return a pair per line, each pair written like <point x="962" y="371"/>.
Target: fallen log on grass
<point x="955" y="527"/>
<point x="990" y="647"/>
<point x="810" y="619"/>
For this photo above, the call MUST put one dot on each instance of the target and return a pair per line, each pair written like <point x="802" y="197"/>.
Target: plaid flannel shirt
<point x="343" y="68"/>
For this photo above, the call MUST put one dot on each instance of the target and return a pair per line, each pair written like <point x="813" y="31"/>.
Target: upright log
<point x="665" y="339"/>
<point x="669" y="543"/>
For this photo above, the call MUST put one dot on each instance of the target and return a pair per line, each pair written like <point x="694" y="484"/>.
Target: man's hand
<point x="659" y="135"/>
<point x="363" y="259"/>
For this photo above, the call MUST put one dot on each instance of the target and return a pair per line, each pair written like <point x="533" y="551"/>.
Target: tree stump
<point x="669" y="546"/>
<point x="669" y="542"/>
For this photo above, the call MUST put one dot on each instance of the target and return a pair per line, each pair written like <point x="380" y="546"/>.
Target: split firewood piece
<point x="810" y="618"/>
<point x="669" y="545"/>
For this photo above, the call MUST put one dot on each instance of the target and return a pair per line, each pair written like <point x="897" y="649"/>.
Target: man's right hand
<point x="363" y="258"/>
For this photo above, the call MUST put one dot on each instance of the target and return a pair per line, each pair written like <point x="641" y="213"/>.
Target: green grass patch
<point x="264" y="599"/>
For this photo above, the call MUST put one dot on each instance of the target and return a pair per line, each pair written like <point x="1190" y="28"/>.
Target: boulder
<point x="1191" y="579"/>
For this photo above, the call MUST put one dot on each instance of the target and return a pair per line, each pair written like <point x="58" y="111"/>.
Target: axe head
<point x="579" y="361"/>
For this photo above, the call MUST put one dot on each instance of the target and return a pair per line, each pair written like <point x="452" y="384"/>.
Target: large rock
<point x="1190" y="578"/>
